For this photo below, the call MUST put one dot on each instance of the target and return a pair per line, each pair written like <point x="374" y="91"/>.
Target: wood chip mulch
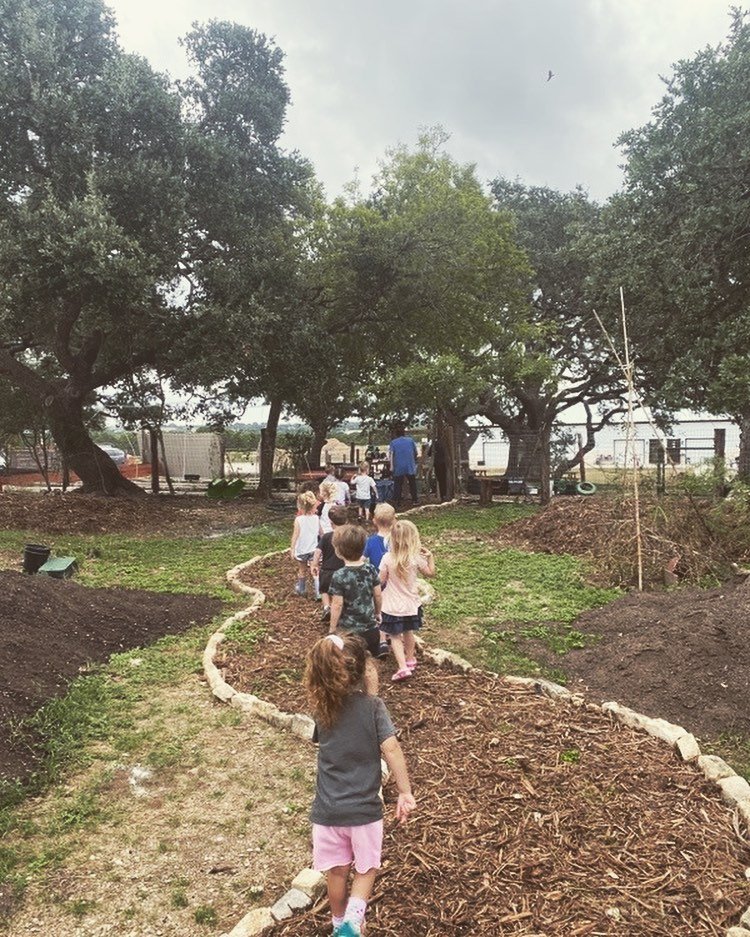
<point x="535" y="817"/>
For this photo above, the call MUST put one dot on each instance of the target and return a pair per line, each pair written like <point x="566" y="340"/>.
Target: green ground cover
<point x="489" y="599"/>
<point x="161" y="564"/>
<point x="100" y="719"/>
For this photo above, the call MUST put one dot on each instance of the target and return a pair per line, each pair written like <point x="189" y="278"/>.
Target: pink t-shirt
<point x="401" y="597"/>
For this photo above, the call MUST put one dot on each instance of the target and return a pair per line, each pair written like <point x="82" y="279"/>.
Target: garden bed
<point x="53" y="630"/>
<point x="697" y="538"/>
<point x="71" y="513"/>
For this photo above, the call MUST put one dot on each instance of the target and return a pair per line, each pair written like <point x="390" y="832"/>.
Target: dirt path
<point x="536" y="818"/>
<point x="182" y="844"/>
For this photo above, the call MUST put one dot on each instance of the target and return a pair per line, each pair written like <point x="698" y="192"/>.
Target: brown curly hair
<point x="331" y="674"/>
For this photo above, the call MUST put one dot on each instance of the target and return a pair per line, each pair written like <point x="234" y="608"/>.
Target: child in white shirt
<point x="364" y="490"/>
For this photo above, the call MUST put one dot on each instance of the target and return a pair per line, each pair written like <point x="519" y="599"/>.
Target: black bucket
<point x="34" y="557"/>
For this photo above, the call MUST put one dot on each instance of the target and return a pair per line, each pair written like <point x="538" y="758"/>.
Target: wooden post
<point x="154" y="449"/>
<point x="720" y="443"/>
<point x="485" y="490"/>
<point x="632" y="438"/>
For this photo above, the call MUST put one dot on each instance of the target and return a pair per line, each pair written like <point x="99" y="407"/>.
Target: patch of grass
<point x="161" y="564"/>
<point x="179" y="898"/>
<point x="734" y="748"/>
<point x="570" y="756"/>
<point x="482" y="591"/>
<point x="205" y="914"/>
<point x="82" y="810"/>
<point x="471" y="519"/>
<point x="245" y="635"/>
<point x="501" y="655"/>
<point x="80" y="907"/>
<point x="474" y="580"/>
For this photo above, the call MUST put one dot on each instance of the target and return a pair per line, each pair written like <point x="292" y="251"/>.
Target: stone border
<point x="308" y="885"/>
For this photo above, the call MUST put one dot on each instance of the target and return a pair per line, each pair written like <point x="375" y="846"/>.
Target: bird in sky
<point x="550" y="75"/>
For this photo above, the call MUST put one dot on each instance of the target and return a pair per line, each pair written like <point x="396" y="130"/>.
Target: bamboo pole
<point x="631" y="436"/>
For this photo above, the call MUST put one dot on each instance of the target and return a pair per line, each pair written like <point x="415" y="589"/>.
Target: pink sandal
<point x="412" y="664"/>
<point x="401" y="675"/>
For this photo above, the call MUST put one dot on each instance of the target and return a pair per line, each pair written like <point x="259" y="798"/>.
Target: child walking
<point x="364" y="490"/>
<point x="401" y="616"/>
<point x="325" y="562"/>
<point x="328" y="494"/>
<point x="353" y="730"/>
<point x="355" y="595"/>
<point x="376" y="547"/>
<point x="376" y="544"/>
<point x="304" y="537"/>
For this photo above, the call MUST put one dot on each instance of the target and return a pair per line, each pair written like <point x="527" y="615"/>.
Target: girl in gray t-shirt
<point x="353" y="730"/>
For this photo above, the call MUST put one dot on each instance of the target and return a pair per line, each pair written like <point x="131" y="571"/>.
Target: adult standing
<point x="403" y="455"/>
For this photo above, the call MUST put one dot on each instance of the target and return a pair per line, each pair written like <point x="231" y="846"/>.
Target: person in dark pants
<point x="403" y="456"/>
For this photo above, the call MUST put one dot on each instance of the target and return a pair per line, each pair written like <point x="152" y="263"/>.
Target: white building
<point x="690" y="442"/>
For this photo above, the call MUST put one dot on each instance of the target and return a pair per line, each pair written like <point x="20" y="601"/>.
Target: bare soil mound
<point x="696" y="538"/>
<point x="53" y="628"/>
<point x="534" y="817"/>
<point x="87" y="514"/>
<point x="683" y="655"/>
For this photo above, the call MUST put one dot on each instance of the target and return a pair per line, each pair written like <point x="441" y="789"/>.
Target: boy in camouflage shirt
<point x="356" y="595"/>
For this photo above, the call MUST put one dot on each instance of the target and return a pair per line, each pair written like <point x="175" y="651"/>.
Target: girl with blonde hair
<point x="329" y="492"/>
<point x="304" y="537"/>
<point x="401" y="611"/>
<point x="353" y="730"/>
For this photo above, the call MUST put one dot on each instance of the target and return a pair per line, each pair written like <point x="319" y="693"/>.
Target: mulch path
<point x="52" y="629"/>
<point x="535" y="817"/>
<point x="73" y="513"/>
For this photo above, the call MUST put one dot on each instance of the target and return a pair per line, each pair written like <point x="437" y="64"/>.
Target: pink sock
<point x="337" y="920"/>
<point x="355" y="910"/>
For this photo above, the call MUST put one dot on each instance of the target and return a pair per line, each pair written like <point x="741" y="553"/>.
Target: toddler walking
<point x="355" y="595"/>
<point x="353" y="729"/>
<point x="376" y="547"/>
<point x="329" y="492"/>
<point x="401" y="616"/>
<point x="304" y="537"/>
<point x="364" y="490"/>
<point x="325" y="562"/>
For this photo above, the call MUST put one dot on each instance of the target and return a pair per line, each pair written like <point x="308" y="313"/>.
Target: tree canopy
<point x="676" y="237"/>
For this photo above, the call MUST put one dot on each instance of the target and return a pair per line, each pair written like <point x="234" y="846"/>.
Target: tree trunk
<point x="267" y="448"/>
<point x="743" y="462"/>
<point x="320" y="432"/>
<point x="544" y="467"/>
<point x="167" y="473"/>
<point x="442" y="452"/>
<point x="514" y="455"/>
<point x="98" y="473"/>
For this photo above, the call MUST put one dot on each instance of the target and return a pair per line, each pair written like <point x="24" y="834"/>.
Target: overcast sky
<point x="367" y="75"/>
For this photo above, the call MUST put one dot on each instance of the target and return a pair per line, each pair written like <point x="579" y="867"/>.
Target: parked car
<point x="117" y="455"/>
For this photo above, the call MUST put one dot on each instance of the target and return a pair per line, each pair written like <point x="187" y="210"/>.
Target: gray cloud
<point x="366" y="75"/>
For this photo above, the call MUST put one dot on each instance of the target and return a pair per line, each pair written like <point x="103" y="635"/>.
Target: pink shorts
<point x="341" y="845"/>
